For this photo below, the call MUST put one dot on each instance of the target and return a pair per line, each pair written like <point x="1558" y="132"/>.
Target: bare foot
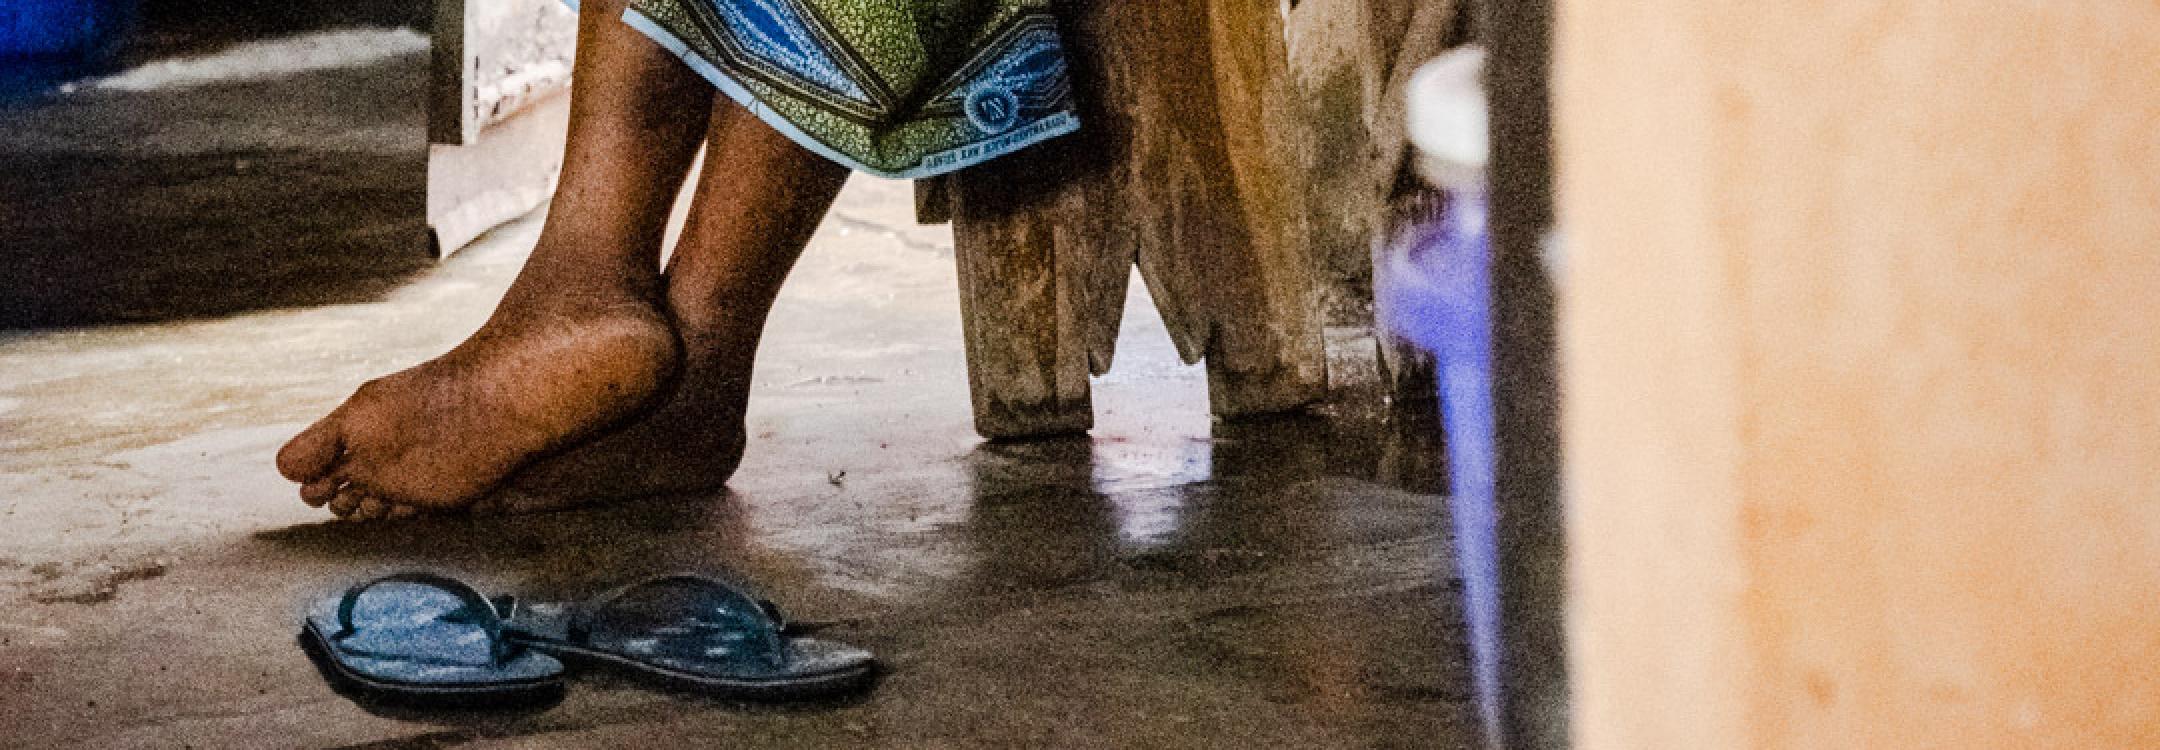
<point x="747" y="225"/>
<point x="551" y="367"/>
<point x="691" y="443"/>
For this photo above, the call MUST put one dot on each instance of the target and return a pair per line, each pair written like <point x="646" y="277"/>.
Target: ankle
<point x="588" y="285"/>
<point x="577" y="256"/>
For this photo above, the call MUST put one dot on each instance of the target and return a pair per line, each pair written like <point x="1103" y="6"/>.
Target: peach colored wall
<point x="1861" y="344"/>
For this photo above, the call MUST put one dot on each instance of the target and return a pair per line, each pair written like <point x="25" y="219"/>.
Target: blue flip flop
<point x="425" y="640"/>
<point x="697" y="634"/>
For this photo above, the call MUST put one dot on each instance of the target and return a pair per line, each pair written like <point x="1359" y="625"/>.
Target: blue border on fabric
<point x="932" y="165"/>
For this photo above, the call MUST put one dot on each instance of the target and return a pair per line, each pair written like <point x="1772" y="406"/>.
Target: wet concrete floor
<point x="1166" y="582"/>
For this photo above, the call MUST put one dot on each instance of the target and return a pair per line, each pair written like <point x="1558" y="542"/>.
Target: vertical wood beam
<point x="449" y="93"/>
<point x="1177" y="168"/>
<point x="1863" y="393"/>
<point x="1526" y="398"/>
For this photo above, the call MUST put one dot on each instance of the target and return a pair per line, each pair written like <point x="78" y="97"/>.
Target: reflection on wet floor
<point x="1233" y="560"/>
<point x="1179" y="579"/>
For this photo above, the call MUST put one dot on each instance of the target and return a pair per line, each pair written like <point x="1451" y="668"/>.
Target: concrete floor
<point x="1169" y="582"/>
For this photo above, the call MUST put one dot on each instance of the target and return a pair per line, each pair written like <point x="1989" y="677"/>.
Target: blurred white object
<point x="249" y="61"/>
<point x="1447" y="118"/>
<point x="1450" y="131"/>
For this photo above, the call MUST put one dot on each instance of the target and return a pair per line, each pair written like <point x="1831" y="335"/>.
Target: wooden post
<point x="449" y="93"/>
<point x="1182" y="168"/>
<point x="1349" y="63"/>
<point x="1033" y="309"/>
<point x="1251" y="285"/>
<point x="1863" y="390"/>
<point x="1531" y="526"/>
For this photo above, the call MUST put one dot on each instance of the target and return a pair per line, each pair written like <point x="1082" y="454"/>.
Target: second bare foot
<point x="691" y="442"/>
<point x="546" y="370"/>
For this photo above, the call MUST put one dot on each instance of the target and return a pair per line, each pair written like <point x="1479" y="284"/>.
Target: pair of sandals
<point x="427" y="640"/>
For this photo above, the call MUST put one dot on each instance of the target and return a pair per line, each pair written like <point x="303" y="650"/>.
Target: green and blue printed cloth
<point x="897" y="88"/>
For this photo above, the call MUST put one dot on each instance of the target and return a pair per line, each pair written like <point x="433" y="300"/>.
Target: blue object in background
<point x="1436" y="292"/>
<point x="61" y="28"/>
<point x="1433" y="286"/>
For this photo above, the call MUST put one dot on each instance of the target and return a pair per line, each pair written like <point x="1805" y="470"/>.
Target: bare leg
<point x="580" y="340"/>
<point x="758" y="201"/>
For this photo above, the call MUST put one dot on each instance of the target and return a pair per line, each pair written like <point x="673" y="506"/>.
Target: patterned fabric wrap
<point x="897" y="88"/>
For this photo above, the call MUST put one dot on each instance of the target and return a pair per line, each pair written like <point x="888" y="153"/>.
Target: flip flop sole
<point x="509" y="694"/>
<point x="806" y="687"/>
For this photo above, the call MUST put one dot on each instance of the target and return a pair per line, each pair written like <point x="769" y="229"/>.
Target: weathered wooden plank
<point x="1269" y="355"/>
<point x="1207" y="192"/>
<point x="933" y="200"/>
<point x="1194" y="164"/>
<point x="1348" y="62"/>
<point x="1043" y="265"/>
<point x="1159" y="187"/>
<point x="1027" y="367"/>
<point x="1053" y="216"/>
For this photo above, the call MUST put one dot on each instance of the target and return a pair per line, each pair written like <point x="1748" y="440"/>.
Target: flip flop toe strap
<point x="738" y="613"/>
<point x="476" y="609"/>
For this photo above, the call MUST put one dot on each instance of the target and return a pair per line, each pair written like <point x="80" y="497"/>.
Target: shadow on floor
<point x="260" y="191"/>
<point x="563" y="554"/>
<point x="133" y="238"/>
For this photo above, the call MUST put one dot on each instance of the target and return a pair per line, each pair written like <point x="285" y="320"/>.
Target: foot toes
<point x="319" y="491"/>
<point x="371" y="508"/>
<point x="346" y="502"/>
<point x="310" y="454"/>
